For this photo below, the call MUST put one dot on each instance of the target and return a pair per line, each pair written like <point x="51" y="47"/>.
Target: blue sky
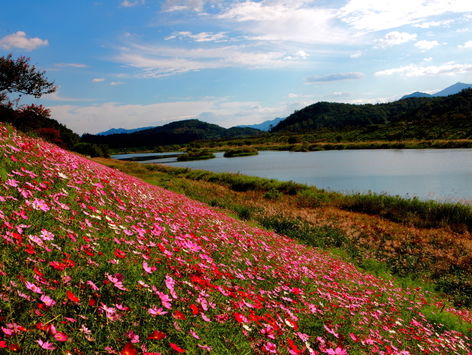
<point x="134" y="63"/>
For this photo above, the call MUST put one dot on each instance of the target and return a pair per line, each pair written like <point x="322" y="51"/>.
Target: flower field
<point x="93" y="260"/>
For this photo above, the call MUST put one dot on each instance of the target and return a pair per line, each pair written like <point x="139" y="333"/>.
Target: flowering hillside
<point x="96" y="260"/>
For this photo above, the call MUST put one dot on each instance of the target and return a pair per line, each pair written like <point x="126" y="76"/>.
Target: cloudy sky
<point x="134" y="63"/>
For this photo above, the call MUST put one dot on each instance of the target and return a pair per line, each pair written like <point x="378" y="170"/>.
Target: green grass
<point x="410" y="211"/>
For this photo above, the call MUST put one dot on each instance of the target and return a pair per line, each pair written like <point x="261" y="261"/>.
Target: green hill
<point x="179" y="132"/>
<point x="421" y="118"/>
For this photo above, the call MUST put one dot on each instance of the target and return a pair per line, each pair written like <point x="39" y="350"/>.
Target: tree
<point x="19" y="76"/>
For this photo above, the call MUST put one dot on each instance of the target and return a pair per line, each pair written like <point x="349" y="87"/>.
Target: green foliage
<point x="414" y="118"/>
<point x="446" y="320"/>
<point x="196" y="155"/>
<point x="272" y="194"/>
<point x="35" y="120"/>
<point x="240" y="152"/>
<point x="92" y="150"/>
<point x="420" y="213"/>
<point x="180" y="132"/>
<point x="19" y="76"/>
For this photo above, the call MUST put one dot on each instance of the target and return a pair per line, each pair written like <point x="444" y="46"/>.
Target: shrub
<point x="240" y="152"/>
<point x="90" y="149"/>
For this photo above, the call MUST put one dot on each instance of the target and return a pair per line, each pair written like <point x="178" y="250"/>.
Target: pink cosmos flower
<point x="117" y="281"/>
<point x="205" y="347"/>
<point x="337" y="351"/>
<point x="170" y="285"/>
<point x="11" y="182"/>
<point x="148" y="269"/>
<point x="195" y="335"/>
<point x="156" y="311"/>
<point x="59" y="336"/>
<point x="40" y="205"/>
<point x="32" y="287"/>
<point x="48" y="301"/>
<point x="270" y="348"/>
<point x="46" y="235"/>
<point x="165" y="299"/>
<point x="133" y="337"/>
<point x="331" y="331"/>
<point x="46" y="345"/>
<point x="92" y="285"/>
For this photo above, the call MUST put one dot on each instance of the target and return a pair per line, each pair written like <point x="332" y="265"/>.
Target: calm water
<point x="439" y="174"/>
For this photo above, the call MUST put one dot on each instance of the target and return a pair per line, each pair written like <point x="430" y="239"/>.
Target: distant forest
<point x="179" y="132"/>
<point x="419" y="118"/>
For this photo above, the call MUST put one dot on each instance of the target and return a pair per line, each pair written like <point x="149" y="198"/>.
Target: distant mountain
<point x="416" y="94"/>
<point x="179" y="132"/>
<point x="417" y="117"/>
<point x="451" y="90"/>
<point x="122" y="131"/>
<point x="266" y="125"/>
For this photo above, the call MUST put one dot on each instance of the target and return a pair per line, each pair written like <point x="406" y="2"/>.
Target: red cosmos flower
<point x="72" y="297"/>
<point x="293" y="346"/>
<point x="14" y="347"/>
<point x="57" y="265"/>
<point x="119" y="253"/>
<point x="240" y="318"/>
<point x="156" y="335"/>
<point x="129" y="349"/>
<point x="179" y="315"/>
<point x="92" y="302"/>
<point x="194" y="309"/>
<point x="177" y="348"/>
<point x="3" y="344"/>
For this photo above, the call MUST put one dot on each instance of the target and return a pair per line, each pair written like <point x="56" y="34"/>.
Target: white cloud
<point x="97" y="118"/>
<point x="184" y="5"/>
<point x="71" y="65"/>
<point x="375" y="100"/>
<point x="116" y="83"/>
<point x="19" y="40"/>
<point x="55" y="96"/>
<point x="413" y="70"/>
<point x="287" y="21"/>
<point x="374" y="15"/>
<point x="430" y="24"/>
<point x="356" y="54"/>
<point x="467" y="44"/>
<point x="334" y="77"/>
<point x="199" y="37"/>
<point x="395" y="38"/>
<point x="302" y="54"/>
<point x="98" y="80"/>
<point x="158" y="61"/>
<point x="131" y="3"/>
<point x="426" y="45"/>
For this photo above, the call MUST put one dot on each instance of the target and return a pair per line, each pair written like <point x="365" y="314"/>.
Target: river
<point x="437" y="174"/>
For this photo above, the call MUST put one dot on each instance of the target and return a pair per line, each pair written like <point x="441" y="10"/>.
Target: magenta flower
<point x="32" y="287"/>
<point x="46" y="345"/>
<point x="40" y="205"/>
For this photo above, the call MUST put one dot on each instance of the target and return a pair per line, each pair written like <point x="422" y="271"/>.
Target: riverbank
<point x="301" y="143"/>
<point x="421" y="241"/>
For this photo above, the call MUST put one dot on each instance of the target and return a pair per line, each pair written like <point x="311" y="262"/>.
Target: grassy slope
<point x="438" y="256"/>
<point x="96" y="260"/>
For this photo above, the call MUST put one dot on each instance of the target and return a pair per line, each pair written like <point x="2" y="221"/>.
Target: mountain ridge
<point x="178" y="132"/>
<point x="450" y="90"/>
<point x="448" y="117"/>
<point x="264" y="126"/>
